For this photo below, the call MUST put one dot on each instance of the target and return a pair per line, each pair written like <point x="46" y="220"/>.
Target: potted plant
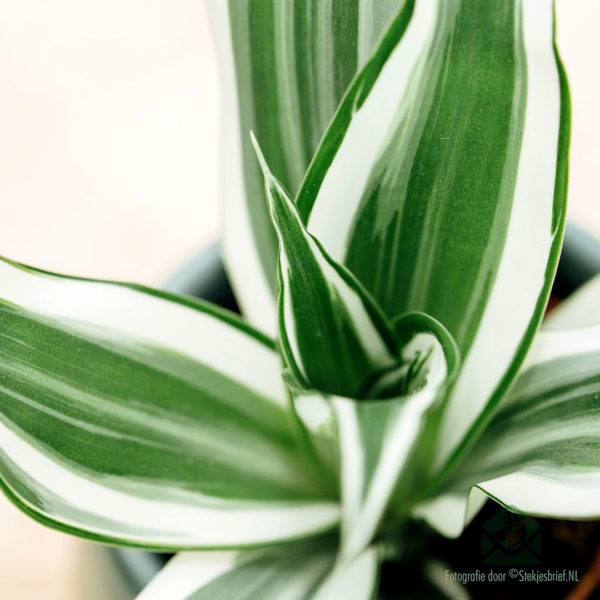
<point x="389" y="367"/>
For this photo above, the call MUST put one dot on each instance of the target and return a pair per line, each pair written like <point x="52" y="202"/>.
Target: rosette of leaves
<point x="388" y="366"/>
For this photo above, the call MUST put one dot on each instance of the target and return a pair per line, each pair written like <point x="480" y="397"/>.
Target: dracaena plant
<point x="392" y="246"/>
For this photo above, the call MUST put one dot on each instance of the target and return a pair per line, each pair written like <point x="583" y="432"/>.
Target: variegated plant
<point x="425" y="142"/>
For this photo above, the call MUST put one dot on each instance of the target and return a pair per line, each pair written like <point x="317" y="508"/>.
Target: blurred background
<point x="109" y="167"/>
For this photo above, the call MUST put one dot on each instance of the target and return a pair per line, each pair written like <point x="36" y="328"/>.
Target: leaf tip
<point x="259" y="154"/>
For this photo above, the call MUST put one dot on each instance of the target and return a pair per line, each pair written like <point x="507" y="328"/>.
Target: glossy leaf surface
<point x="132" y="416"/>
<point x="285" y="67"/>
<point x="441" y="184"/>
<point x="540" y="454"/>
<point x="332" y="333"/>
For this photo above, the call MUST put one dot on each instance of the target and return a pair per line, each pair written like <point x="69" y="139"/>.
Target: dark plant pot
<point x="204" y="277"/>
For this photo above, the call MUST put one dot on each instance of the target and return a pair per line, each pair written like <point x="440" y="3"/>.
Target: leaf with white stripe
<point x="303" y="571"/>
<point x="285" y="66"/>
<point x="133" y="416"/>
<point x="441" y="184"/>
<point x="186" y="572"/>
<point x="355" y="579"/>
<point x="540" y="454"/>
<point x="333" y="335"/>
<point x="378" y="439"/>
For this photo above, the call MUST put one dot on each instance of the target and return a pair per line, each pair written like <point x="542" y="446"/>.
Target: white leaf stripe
<point x="369" y="476"/>
<point x="563" y="344"/>
<point x="383" y="195"/>
<point x="338" y="194"/>
<point x="29" y="355"/>
<point x="450" y="512"/>
<point x="306" y="571"/>
<point x="539" y="489"/>
<point x="160" y="440"/>
<point x="318" y="419"/>
<point x="147" y="515"/>
<point x="368" y="483"/>
<point x="281" y="574"/>
<point x="540" y="454"/>
<point x="185" y="573"/>
<point x="548" y="492"/>
<point x="551" y="416"/>
<point x="334" y="334"/>
<point x="533" y="231"/>
<point x="357" y="579"/>
<point x="286" y="65"/>
<point x="377" y="439"/>
<point x="130" y="311"/>
<point x="249" y="278"/>
<point x="353" y="463"/>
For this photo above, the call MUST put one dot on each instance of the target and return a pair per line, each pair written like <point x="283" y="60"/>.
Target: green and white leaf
<point x="133" y="416"/>
<point x="547" y="436"/>
<point x="332" y="334"/>
<point x="540" y="455"/>
<point x="451" y="511"/>
<point x="285" y="66"/>
<point x="441" y="184"/>
<point x="305" y="571"/>
<point x="377" y="439"/>
<point x="357" y="578"/>
<point x="188" y="572"/>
